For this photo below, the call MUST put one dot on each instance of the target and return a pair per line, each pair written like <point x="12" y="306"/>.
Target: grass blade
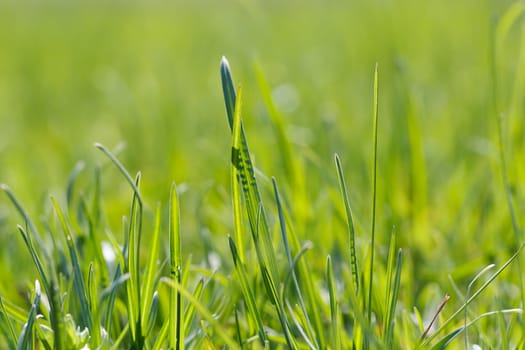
<point x="392" y="302"/>
<point x="350" y="224"/>
<point x="7" y="326"/>
<point x="334" y="306"/>
<point x="149" y="275"/>
<point x="374" y="196"/>
<point x="25" y="341"/>
<point x="176" y="332"/>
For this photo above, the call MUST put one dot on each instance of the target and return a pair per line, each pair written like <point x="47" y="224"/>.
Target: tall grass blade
<point x="176" y="333"/>
<point x="350" y="224"/>
<point x="247" y="177"/>
<point x="236" y="177"/>
<point x="374" y="196"/>
<point x="148" y="285"/>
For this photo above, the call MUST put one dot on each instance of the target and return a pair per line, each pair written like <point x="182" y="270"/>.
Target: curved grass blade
<point x="478" y="275"/>
<point x="228" y="341"/>
<point x="349" y="223"/>
<point x="176" y="333"/>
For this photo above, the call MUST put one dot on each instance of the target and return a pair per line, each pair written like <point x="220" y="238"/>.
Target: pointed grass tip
<point x="4" y="187"/>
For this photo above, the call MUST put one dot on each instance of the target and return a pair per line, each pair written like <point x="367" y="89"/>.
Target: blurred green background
<point x="146" y="75"/>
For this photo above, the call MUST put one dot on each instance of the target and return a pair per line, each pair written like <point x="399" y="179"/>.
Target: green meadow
<point x="262" y="175"/>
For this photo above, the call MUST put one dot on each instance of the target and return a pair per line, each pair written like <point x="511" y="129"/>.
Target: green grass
<point x="412" y="239"/>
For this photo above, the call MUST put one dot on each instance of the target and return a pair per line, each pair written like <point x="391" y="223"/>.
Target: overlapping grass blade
<point x="148" y="285"/>
<point x="26" y="339"/>
<point x="203" y="311"/>
<point x="133" y="241"/>
<point x="334" y="306"/>
<point x="176" y="333"/>
<point x="425" y="342"/>
<point x="309" y="329"/>
<point x="7" y="326"/>
<point x="236" y="176"/>
<point x="247" y="177"/>
<point x="78" y="279"/>
<point x="246" y="290"/>
<point x="393" y="295"/>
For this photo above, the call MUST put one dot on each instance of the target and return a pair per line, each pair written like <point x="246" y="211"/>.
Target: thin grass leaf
<point x="176" y="333"/>
<point x="190" y="309"/>
<point x="228" y="341"/>
<point x="478" y="275"/>
<point x="334" y="315"/>
<point x="122" y="169"/>
<point x="71" y="183"/>
<point x="148" y="285"/>
<point x="374" y="196"/>
<point x="350" y="224"/>
<point x="428" y="339"/>
<point x="133" y="261"/>
<point x="246" y="290"/>
<point x="78" y="279"/>
<point x="238" y="329"/>
<point x="236" y="177"/>
<point x="92" y="289"/>
<point x="7" y="326"/>
<point x="26" y="339"/>
<point x="390" y="320"/>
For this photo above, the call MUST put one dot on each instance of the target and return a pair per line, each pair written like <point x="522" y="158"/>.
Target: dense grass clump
<point x="368" y="233"/>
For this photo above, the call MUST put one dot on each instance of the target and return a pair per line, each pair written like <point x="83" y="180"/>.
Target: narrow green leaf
<point x="392" y="303"/>
<point x="176" y="334"/>
<point x="374" y="196"/>
<point x="148" y="285"/>
<point x="7" y="325"/>
<point x="26" y="339"/>
<point x="350" y="224"/>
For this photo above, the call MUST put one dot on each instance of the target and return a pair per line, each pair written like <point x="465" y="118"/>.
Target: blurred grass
<point x="146" y="74"/>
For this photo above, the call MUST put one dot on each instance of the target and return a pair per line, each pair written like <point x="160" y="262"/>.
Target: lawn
<point x="129" y="191"/>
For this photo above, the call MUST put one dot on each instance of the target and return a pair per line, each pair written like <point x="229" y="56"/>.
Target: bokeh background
<point x="143" y="79"/>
